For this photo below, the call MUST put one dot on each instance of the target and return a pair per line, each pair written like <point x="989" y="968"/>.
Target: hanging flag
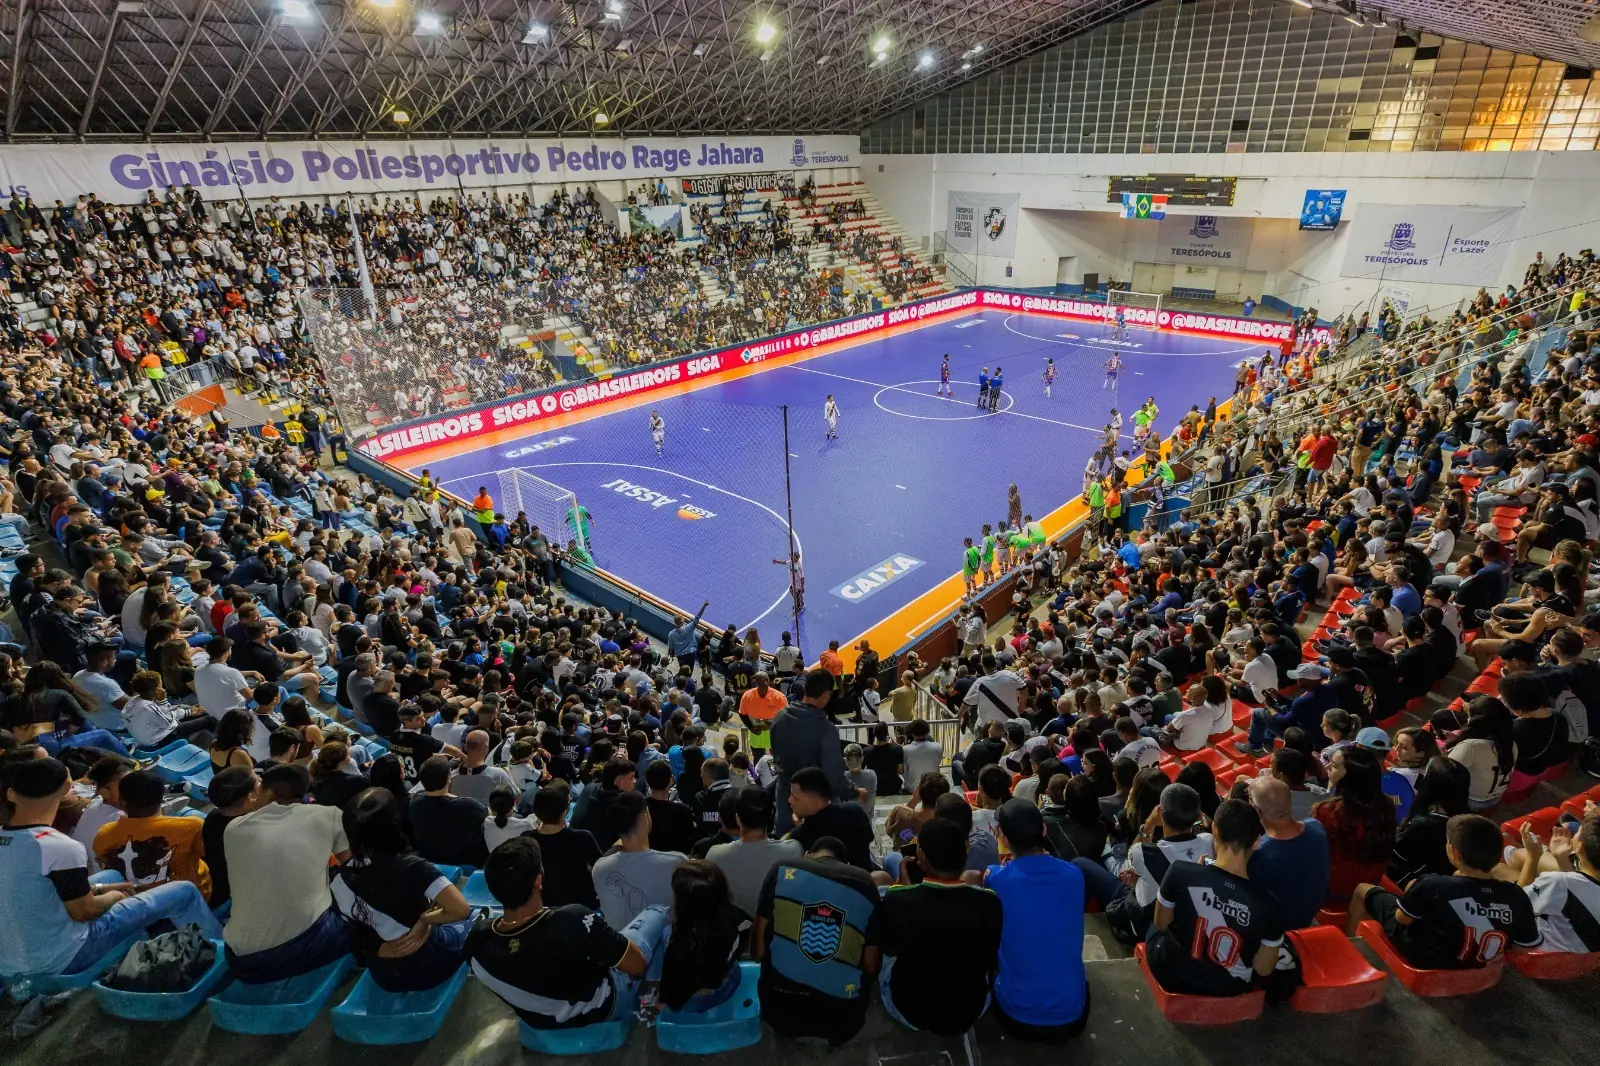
<point x="1144" y="205"/>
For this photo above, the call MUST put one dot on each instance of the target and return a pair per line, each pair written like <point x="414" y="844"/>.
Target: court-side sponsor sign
<point x="1174" y="321"/>
<point x="873" y="579"/>
<point x="123" y="173"/>
<point x="529" y="410"/>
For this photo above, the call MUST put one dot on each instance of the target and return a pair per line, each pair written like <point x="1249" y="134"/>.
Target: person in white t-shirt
<point x="107" y="694"/>
<point x="1144" y="751"/>
<point x="218" y="687"/>
<point x="1189" y="728"/>
<point x="994" y="695"/>
<point x="284" y="923"/>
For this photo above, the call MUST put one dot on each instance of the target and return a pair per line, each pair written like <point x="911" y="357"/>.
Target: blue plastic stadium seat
<point x="453" y="873"/>
<point x="49" y="984"/>
<point x="327" y="693"/>
<point x="182" y="763"/>
<point x="155" y="753"/>
<point x="277" y="1006"/>
<point x="369" y="1015"/>
<point x="198" y="785"/>
<point x="161" y="1006"/>
<point x="476" y="890"/>
<point x="589" y="1040"/>
<point x="725" y="1027"/>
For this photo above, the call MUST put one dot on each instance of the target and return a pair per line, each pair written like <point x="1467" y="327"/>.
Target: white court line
<point x="945" y="399"/>
<point x="1089" y="342"/>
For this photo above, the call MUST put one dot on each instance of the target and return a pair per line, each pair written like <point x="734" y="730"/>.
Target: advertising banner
<point x="730" y="182"/>
<point x="708" y="366"/>
<point x="1203" y="240"/>
<point x="983" y="223"/>
<point x="1426" y="242"/>
<point x="124" y="173"/>
<point x="1194" y="323"/>
<point x="1322" y="209"/>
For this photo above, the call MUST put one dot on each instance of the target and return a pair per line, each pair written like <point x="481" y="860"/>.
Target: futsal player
<point x="1113" y="365"/>
<point x="830" y="414"/>
<point x="658" y="431"/>
<point x="969" y="565"/>
<point x="944" y="379"/>
<point x="994" y="389"/>
<point x="797" y="580"/>
<point x="1049" y="376"/>
<point x="983" y="387"/>
<point x="1122" y="325"/>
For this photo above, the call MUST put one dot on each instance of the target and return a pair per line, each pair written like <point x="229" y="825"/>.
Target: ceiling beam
<point x="312" y="61"/>
<point x="100" y="70"/>
<point x="192" y="34"/>
<point x="19" y="42"/>
<point x="236" y="82"/>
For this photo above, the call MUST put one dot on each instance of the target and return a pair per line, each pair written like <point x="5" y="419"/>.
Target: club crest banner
<point x="984" y="223"/>
<point x="1429" y="242"/>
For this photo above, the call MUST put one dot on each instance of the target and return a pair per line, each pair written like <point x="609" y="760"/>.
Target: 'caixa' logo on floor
<point x="874" y="578"/>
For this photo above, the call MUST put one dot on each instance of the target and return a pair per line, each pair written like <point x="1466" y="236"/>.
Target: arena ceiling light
<point x="382" y="3"/>
<point x="881" y="45"/>
<point x="537" y="33"/>
<point x="296" y="9"/>
<point x="766" y="33"/>
<point x="401" y="116"/>
<point x="924" y="61"/>
<point x="427" y="22"/>
<point x="601" y="118"/>
<point x="614" y="11"/>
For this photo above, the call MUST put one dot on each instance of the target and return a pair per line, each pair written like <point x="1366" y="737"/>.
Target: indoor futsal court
<point x="880" y="512"/>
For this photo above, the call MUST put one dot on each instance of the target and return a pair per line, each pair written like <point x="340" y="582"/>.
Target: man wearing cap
<point x="1041" y="992"/>
<point x="1305" y="711"/>
<point x="1396" y="785"/>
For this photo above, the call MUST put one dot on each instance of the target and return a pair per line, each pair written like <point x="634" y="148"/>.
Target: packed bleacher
<point x="289" y="724"/>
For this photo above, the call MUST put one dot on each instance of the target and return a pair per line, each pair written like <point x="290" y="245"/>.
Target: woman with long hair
<point x="409" y="923"/>
<point x="231" y="745"/>
<point x="1486" y="748"/>
<point x="388" y="772"/>
<point x="700" y="967"/>
<point x="1419" y="846"/>
<point x="334" y="781"/>
<point x="49" y="701"/>
<point x="1359" y="820"/>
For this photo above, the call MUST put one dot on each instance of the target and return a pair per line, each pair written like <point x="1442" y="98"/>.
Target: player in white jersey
<point x="658" y="431"/>
<point x="1049" y="376"/>
<point x="830" y="414"/>
<point x="1116" y="420"/>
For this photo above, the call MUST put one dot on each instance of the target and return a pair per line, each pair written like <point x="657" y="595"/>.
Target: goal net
<point x="553" y="509"/>
<point x="1140" y="310"/>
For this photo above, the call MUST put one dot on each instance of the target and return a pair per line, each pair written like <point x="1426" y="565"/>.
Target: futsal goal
<point x="555" y="510"/>
<point x="1142" y="309"/>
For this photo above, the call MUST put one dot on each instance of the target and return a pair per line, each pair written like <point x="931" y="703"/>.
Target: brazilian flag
<point x="1145" y="206"/>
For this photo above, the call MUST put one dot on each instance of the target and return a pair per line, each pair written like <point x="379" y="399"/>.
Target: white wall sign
<point x="1429" y="242"/>
<point x="1203" y="240"/>
<point x="983" y="223"/>
<point x="123" y="173"/>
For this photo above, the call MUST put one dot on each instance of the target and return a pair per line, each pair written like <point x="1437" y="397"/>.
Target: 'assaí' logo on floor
<point x="623" y="487"/>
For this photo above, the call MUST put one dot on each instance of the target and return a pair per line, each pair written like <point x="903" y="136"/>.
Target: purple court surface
<point x="881" y="511"/>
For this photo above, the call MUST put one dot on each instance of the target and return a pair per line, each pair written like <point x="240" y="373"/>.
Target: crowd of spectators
<point x="368" y="679"/>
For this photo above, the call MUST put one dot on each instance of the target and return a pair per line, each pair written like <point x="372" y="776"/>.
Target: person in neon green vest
<point x="988" y="553"/>
<point x="1035" y="531"/>
<point x="970" y="560"/>
<point x="1165" y="471"/>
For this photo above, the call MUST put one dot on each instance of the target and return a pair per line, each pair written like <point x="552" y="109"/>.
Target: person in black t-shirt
<point x="1540" y="733"/>
<point x="727" y="825"/>
<point x="1214" y="931"/>
<point x="568" y="854"/>
<point x="447" y="829"/>
<point x="409" y="923"/>
<point x="233" y="793"/>
<point x="1461" y="922"/>
<point x="557" y="967"/>
<point x="413" y="746"/>
<point x="886" y="759"/>
<point x="811" y="800"/>
<point x="940" y="939"/>
<point x="672" y="825"/>
<point x="381" y="706"/>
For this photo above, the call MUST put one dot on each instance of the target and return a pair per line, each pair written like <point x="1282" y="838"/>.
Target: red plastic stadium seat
<point x="1201" y="1010"/>
<point x="1242" y="713"/>
<point x="1430" y="983"/>
<point x="1484" y="685"/>
<point x="1212" y="758"/>
<point x="1337" y="977"/>
<point x="1540" y="821"/>
<point x="1170" y="766"/>
<point x="1333" y="918"/>
<point x="1347" y="595"/>
<point x="1555" y="965"/>
<point x="1416" y="704"/>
